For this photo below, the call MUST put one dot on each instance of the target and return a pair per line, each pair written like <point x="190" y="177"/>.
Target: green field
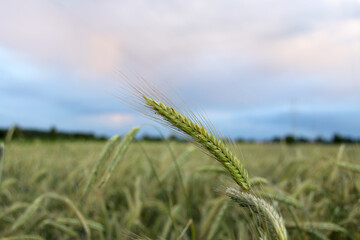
<point x="148" y="198"/>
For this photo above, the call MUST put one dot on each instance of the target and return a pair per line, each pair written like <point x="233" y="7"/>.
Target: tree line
<point x="16" y="133"/>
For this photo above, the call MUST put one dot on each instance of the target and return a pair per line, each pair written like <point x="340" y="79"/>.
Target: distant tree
<point x="102" y="138"/>
<point x="239" y="140"/>
<point x="3" y="133"/>
<point x="276" y="140"/>
<point x="337" y="138"/>
<point x="319" y="139"/>
<point x="30" y="134"/>
<point x="173" y="138"/>
<point x="151" y="138"/>
<point x="302" y="140"/>
<point x="289" y="139"/>
<point x="53" y="133"/>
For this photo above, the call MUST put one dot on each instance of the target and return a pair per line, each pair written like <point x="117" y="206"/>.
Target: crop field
<point x="179" y="120"/>
<point x="172" y="190"/>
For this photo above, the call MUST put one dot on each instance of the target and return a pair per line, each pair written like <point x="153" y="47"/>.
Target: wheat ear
<point x="123" y="146"/>
<point x="323" y="226"/>
<point x="209" y="141"/>
<point x="105" y="155"/>
<point x="75" y="222"/>
<point x="262" y="208"/>
<point x="13" y="208"/>
<point x="349" y="166"/>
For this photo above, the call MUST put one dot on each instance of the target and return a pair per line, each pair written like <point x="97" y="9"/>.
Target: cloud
<point x="232" y="55"/>
<point x="96" y="37"/>
<point x="110" y="119"/>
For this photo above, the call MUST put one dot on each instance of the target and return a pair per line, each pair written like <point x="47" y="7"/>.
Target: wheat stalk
<point x="31" y="210"/>
<point x="214" y="145"/>
<point x="61" y="227"/>
<point x="123" y="146"/>
<point x="214" y="229"/>
<point x="104" y="156"/>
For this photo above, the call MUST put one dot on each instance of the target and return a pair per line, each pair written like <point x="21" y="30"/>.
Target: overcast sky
<point x="257" y="68"/>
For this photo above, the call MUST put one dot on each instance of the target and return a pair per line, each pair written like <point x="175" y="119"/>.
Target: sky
<point x="258" y="69"/>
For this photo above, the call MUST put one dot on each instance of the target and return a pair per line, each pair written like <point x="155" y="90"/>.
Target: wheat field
<point x="171" y="190"/>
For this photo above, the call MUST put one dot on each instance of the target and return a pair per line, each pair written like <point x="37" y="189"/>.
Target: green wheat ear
<point x="207" y="140"/>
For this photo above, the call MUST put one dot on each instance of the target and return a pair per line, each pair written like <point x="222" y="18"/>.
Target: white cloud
<point x="108" y="120"/>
